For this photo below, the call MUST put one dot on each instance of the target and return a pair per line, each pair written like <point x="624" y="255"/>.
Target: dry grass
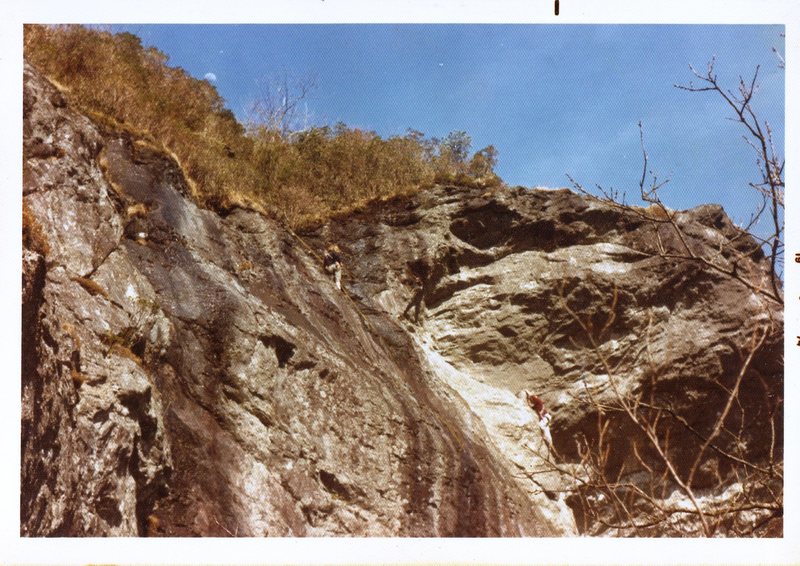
<point x="235" y="199"/>
<point x="111" y="124"/>
<point x="78" y="378"/>
<point x="153" y="526"/>
<point x="120" y="345"/>
<point x="303" y="177"/>
<point x="124" y="352"/>
<point x="73" y="333"/>
<point x="657" y="213"/>
<point x="33" y="237"/>
<point x="91" y="286"/>
<point x="138" y="210"/>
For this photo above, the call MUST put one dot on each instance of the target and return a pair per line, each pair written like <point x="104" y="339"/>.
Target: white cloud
<point x="210" y="77"/>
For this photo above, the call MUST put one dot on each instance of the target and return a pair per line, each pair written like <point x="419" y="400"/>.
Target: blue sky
<point x="553" y="99"/>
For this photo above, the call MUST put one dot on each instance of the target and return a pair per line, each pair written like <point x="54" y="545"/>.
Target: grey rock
<point x="496" y="322"/>
<point x="208" y="379"/>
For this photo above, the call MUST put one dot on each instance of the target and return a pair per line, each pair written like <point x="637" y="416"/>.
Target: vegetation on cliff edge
<point x="305" y="175"/>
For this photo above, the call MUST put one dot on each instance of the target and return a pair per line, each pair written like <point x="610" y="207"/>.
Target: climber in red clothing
<point x="535" y="402"/>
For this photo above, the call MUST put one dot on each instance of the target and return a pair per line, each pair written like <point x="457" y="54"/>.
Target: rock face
<point x="186" y="373"/>
<point x="571" y="298"/>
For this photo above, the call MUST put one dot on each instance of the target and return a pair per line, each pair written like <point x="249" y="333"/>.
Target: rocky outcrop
<point x="187" y="373"/>
<point x="573" y="298"/>
<point x="94" y="456"/>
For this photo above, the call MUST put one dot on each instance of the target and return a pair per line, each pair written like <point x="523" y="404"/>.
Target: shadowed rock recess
<point x="191" y="374"/>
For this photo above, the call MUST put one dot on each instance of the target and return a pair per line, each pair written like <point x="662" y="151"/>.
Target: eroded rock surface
<point x="525" y="276"/>
<point x="94" y="453"/>
<point x="190" y="374"/>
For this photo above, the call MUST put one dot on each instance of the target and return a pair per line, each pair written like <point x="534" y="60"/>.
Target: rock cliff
<point x="189" y="373"/>
<point x="551" y="292"/>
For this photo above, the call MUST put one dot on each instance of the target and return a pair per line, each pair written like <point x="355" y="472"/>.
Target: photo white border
<point x="16" y="550"/>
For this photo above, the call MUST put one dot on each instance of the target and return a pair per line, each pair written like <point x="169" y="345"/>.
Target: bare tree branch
<point x="729" y="403"/>
<point x="278" y="104"/>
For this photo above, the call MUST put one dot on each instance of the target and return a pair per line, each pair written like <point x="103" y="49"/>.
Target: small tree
<point x="453" y="151"/>
<point x="279" y="106"/>
<point x="483" y="162"/>
<point x="457" y="146"/>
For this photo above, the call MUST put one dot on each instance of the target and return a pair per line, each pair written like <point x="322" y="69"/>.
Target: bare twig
<point x="770" y="165"/>
<point x="729" y="403"/>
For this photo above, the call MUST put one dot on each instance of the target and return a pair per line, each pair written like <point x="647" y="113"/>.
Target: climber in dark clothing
<point x="332" y="262"/>
<point x="426" y="273"/>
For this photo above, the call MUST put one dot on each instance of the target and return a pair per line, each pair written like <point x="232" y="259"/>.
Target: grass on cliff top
<point x="304" y="176"/>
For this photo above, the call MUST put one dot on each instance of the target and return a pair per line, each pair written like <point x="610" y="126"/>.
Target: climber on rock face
<point x="418" y="271"/>
<point x="332" y="262"/>
<point x="535" y="402"/>
<point x="426" y="273"/>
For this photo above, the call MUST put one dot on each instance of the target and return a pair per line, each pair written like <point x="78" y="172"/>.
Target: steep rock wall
<point x="188" y="374"/>
<point x="522" y="274"/>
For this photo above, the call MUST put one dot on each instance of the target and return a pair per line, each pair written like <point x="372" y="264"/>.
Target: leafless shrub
<point x="281" y="104"/>
<point x="743" y="244"/>
<point x="644" y="466"/>
<point x="758" y="135"/>
<point x="649" y="465"/>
